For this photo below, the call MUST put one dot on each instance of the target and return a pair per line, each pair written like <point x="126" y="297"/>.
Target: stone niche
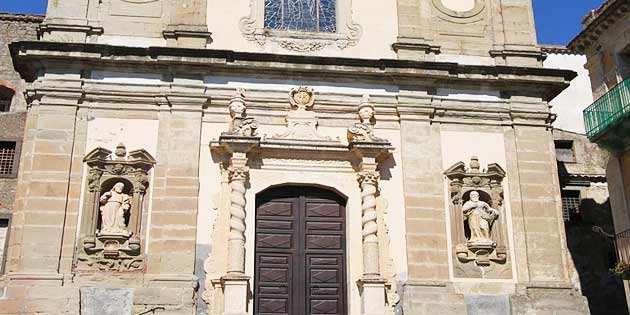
<point x="478" y="221"/>
<point x="111" y="221"/>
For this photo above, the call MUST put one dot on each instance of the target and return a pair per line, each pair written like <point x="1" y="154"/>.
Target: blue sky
<point x="557" y="21"/>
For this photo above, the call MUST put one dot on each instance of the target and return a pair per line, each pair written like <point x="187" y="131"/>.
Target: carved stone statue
<point x="114" y="204"/>
<point x="363" y="131"/>
<point x="480" y="217"/>
<point x="241" y="125"/>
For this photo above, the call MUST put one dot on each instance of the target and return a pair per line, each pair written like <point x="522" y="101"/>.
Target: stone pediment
<point x="474" y="176"/>
<point x="138" y="158"/>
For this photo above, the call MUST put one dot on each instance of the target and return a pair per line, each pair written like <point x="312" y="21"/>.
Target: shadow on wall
<point x="593" y="254"/>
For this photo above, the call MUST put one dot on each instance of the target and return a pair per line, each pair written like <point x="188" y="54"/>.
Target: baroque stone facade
<point x="277" y="178"/>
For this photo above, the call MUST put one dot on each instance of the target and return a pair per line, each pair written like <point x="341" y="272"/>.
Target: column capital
<point x="368" y="177"/>
<point x="238" y="173"/>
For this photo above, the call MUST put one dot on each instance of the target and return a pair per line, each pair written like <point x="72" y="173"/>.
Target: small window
<point x="7" y="158"/>
<point x="571" y="205"/>
<point x="301" y="15"/>
<point x="4" y="242"/>
<point x="564" y="151"/>
<point x="5" y="104"/>
<point x="6" y="95"/>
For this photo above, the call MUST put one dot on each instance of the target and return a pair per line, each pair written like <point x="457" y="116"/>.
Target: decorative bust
<point x="114" y="204"/>
<point x="240" y="125"/>
<point x="480" y="217"/>
<point x="363" y="131"/>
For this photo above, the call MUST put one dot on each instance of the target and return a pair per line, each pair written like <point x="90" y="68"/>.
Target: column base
<point x="372" y="296"/>
<point x="235" y="294"/>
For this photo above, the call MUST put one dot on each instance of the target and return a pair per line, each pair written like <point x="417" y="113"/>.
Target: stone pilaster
<point x="188" y="26"/>
<point x="66" y="21"/>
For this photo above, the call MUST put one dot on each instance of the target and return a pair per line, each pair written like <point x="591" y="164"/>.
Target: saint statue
<point x="114" y="204"/>
<point x="480" y="217"/>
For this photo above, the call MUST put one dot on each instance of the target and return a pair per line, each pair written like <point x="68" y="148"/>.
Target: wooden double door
<point x="300" y="266"/>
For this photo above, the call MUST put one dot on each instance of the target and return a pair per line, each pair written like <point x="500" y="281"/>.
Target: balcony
<point x="622" y="241"/>
<point x="608" y="112"/>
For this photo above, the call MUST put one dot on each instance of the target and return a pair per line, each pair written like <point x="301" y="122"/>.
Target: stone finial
<point x="363" y="131"/>
<point x="366" y="110"/>
<point x="120" y="152"/>
<point x="237" y="104"/>
<point x="474" y="164"/>
<point x="240" y="124"/>
<point x="302" y="98"/>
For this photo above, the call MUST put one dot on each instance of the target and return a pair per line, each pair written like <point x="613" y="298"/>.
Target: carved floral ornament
<point x="112" y="210"/>
<point x="477" y="213"/>
<point x="347" y="33"/>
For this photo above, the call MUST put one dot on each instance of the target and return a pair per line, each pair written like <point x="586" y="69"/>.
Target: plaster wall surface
<point x="574" y="99"/>
<point x="460" y="146"/>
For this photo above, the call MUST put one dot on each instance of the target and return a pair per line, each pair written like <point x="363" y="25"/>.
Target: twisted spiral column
<point x="236" y="238"/>
<point x="369" y="183"/>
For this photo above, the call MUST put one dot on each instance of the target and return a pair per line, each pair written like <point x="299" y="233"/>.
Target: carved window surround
<point x="348" y="33"/>
<point x="470" y="16"/>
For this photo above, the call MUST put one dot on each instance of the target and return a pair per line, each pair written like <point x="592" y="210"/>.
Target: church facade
<point x="288" y="157"/>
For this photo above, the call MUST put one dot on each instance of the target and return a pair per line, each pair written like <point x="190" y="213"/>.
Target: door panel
<point x="300" y="252"/>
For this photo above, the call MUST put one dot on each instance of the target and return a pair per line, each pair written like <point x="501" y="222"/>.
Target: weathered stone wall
<point x="13" y="27"/>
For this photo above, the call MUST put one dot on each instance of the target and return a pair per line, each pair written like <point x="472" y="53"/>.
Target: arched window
<point x="301" y="15"/>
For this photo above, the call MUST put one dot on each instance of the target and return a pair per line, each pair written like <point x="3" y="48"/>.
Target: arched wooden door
<point x="300" y="265"/>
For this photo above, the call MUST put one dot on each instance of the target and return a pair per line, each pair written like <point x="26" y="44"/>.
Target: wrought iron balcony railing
<point x="622" y="241"/>
<point x="608" y="110"/>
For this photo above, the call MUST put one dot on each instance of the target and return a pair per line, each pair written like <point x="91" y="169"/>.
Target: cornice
<point x="28" y="18"/>
<point x="33" y="57"/>
<point x="598" y="22"/>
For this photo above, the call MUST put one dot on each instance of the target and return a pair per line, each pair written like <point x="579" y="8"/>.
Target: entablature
<point x="31" y="58"/>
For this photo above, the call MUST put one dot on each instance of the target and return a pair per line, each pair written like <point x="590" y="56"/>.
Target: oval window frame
<point x="457" y="16"/>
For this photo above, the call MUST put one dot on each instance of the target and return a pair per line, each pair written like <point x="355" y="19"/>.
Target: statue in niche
<point x="480" y="217"/>
<point x="480" y="231"/>
<point x="364" y="131"/>
<point x="241" y="125"/>
<point x="111" y="222"/>
<point x="114" y="204"/>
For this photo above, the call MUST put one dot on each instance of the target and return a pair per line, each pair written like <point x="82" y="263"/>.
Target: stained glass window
<point x="301" y="15"/>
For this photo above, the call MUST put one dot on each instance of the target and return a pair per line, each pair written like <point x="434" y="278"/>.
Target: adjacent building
<point x="330" y="157"/>
<point x="583" y="189"/>
<point x="13" y="27"/>
<point x="605" y="43"/>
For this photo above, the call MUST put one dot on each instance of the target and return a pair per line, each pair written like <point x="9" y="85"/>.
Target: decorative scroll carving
<point x="112" y="210"/>
<point x="477" y="213"/>
<point x="302" y="46"/>
<point x="301" y="121"/>
<point x="364" y="131"/>
<point x="240" y="125"/>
